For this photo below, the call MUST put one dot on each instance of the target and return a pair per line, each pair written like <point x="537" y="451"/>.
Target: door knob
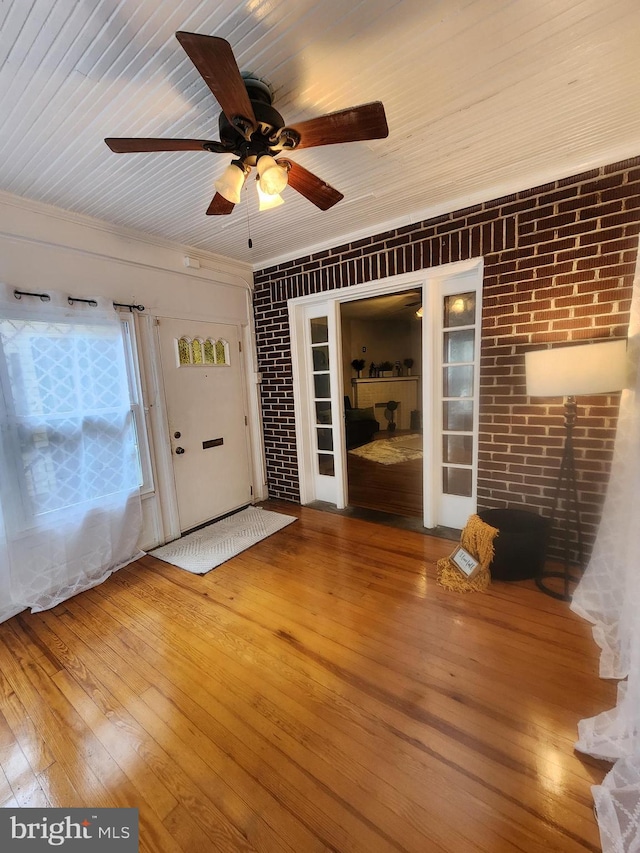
<point x="179" y="451"/>
<point x="177" y="434"/>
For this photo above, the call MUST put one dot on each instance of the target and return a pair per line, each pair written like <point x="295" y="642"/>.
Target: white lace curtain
<point x="69" y="487"/>
<point x="609" y="597"/>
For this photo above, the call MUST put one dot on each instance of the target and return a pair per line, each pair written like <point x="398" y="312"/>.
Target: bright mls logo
<point x="107" y="830"/>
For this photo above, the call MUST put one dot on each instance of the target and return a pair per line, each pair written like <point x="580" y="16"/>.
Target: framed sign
<point x="464" y="561"/>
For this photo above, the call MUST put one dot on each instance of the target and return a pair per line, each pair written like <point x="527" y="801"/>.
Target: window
<point x="66" y="415"/>
<point x="69" y="496"/>
<point x="198" y="352"/>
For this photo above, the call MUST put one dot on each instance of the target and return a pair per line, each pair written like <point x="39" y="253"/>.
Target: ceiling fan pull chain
<point x="249" y="241"/>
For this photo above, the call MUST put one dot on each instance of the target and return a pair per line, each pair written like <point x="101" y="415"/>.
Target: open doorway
<point x="447" y="388"/>
<point x="382" y="391"/>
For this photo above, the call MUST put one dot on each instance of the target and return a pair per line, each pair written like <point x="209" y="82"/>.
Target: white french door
<point x="453" y="334"/>
<point x="319" y="406"/>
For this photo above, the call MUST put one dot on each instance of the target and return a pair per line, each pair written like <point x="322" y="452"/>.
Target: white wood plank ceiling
<point x="482" y="97"/>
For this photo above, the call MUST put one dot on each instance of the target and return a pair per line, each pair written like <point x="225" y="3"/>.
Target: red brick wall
<point x="559" y="264"/>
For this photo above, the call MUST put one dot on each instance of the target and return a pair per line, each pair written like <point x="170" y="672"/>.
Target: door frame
<point x="429" y="282"/>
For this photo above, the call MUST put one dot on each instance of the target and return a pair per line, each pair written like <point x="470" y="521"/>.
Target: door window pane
<point x="325" y="439"/>
<point x="458" y="415"/>
<point x="322" y="385"/>
<point x="184" y="351"/>
<point x="458" y="381"/>
<point x="321" y="358"/>
<point x="221" y="350"/>
<point x="457" y="449"/>
<point x="458" y="346"/>
<point x="209" y="352"/>
<point x="456" y="481"/>
<point x="319" y="330"/>
<point x="460" y="310"/>
<point x="323" y="413"/>
<point x="325" y="464"/>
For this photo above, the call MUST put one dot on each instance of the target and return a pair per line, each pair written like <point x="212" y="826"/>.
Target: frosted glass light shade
<point x="273" y="178"/>
<point x="266" y="201"/>
<point x="230" y="183"/>
<point x="571" y="370"/>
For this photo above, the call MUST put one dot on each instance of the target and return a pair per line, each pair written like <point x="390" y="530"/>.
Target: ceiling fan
<point x="255" y="133"/>
<point x="417" y="301"/>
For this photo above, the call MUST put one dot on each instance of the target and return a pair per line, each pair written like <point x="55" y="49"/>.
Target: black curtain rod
<point x="71" y="299"/>
<point x="130" y="307"/>
<point x="20" y="293"/>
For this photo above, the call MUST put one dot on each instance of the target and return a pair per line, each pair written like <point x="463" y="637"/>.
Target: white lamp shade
<point x="266" y="201"/>
<point x="273" y="177"/>
<point x="571" y="370"/>
<point x="230" y="183"/>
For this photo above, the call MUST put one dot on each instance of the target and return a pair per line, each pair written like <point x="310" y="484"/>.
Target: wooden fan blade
<point x="132" y="146"/>
<point x="217" y="65"/>
<point x="311" y="187"/>
<point x="367" y="121"/>
<point x="219" y="206"/>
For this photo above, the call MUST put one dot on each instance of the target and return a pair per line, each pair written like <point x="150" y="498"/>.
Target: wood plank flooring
<point x="319" y="692"/>
<point x="396" y="489"/>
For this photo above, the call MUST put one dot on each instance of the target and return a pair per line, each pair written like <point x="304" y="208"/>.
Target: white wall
<point x="43" y="248"/>
<point x="385" y="340"/>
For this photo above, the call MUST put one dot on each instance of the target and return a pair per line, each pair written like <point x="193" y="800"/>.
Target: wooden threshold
<point x="318" y="692"/>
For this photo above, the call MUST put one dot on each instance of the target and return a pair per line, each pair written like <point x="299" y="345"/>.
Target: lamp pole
<point x="567" y="483"/>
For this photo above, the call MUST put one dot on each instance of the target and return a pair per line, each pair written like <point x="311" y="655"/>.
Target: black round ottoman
<point x="520" y="545"/>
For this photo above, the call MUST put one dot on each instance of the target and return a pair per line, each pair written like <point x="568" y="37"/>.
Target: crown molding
<point x="239" y="271"/>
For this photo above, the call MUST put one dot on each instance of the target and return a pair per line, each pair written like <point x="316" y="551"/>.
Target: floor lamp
<point x="569" y="371"/>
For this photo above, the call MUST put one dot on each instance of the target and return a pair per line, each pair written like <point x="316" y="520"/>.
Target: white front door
<point x="204" y="392"/>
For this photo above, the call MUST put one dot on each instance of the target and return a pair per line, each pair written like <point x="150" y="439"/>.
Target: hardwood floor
<point x="318" y="692"/>
<point x="396" y="489"/>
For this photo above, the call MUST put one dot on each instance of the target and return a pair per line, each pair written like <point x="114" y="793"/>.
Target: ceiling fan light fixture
<point x="419" y="312"/>
<point x="273" y="177"/>
<point x="230" y="183"/>
<point x="267" y="201"/>
<point x="253" y="130"/>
